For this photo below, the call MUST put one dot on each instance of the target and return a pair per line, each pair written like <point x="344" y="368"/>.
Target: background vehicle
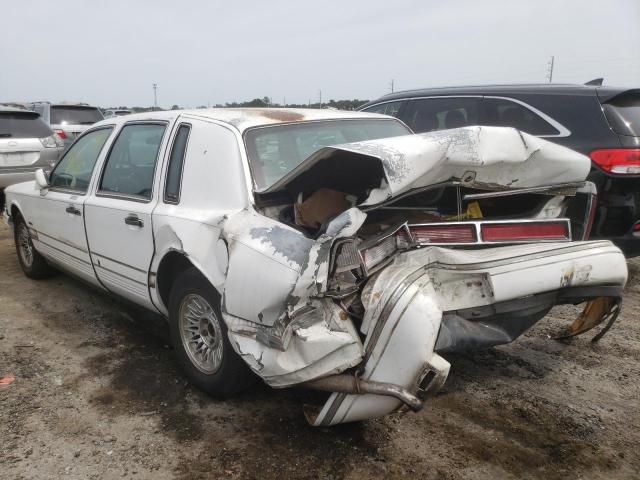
<point x="26" y="144"/>
<point x="601" y="122"/>
<point x="326" y="249"/>
<point x="116" y="112"/>
<point x="68" y="120"/>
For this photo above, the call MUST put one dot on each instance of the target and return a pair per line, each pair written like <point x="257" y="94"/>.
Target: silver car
<point x="68" y="120"/>
<point x="26" y="144"/>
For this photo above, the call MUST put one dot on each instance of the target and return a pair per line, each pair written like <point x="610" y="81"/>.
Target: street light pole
<point x="155" y="96"/>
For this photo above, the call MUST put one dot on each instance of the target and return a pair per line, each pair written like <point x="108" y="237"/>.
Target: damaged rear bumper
<point x="437" y="300"/>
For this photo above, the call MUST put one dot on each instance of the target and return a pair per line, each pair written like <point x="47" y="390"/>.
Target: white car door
<point x="118" y="215"/>
<point x="58" y="215"/>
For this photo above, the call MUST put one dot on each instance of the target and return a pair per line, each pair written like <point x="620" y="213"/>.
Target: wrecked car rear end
<point x="367" y="261"/>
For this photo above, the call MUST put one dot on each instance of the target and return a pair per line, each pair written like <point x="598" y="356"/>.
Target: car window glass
<point x="276" y="150"/>
<point x="73" y="115"/>
<point x="505" y="113"/>
<point x="23" y="125"/>
<point x="131" y="163"/>
<point x="75" y="169"/>
<point x="623" y="113"/>
<point x="389" y="108"/>
<point x="430" y="114"/>
<point x="174" y="171"/>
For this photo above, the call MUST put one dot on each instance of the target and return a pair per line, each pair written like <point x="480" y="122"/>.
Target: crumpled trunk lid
<point x="494" y="158"/>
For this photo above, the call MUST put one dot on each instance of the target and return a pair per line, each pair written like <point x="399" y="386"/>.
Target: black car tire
<point x="231" y="374"/>
<point x="33" y="264"/>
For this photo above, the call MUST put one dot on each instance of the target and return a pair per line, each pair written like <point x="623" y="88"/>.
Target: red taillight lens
<point x="622" y="161"/>
<point x="444" y="233"/>
<point x="60" y="133"/>
<point x="505" y="232"/>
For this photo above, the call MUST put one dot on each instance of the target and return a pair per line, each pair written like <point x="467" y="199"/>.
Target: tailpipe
<point x="356" y="386"/>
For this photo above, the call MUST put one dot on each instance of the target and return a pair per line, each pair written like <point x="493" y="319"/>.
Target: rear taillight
<point x="453" y="233"/>
<point x="621" y="161"/>
<point x="60" y="133"/>
<point x="522" y="232"/>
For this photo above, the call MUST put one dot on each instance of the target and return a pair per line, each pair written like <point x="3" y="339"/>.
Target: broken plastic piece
<point x="595" y="312"/>
<point x="7" y="380"/>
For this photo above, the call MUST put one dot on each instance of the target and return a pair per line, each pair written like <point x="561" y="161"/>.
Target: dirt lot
<point x="97" y="395"/>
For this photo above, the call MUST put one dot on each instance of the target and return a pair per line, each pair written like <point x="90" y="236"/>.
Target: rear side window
<point x="72" y="115"/>
<point x="74" y="171"/>
<point x="176" y="161"/>
<point x="623" y="113"/>
<point x="132" y="160"/>
<point x="23" y="125"/>
<point x="389" y="108"/>
<point x="505" y="113"/>
<point x="430" y="114"/>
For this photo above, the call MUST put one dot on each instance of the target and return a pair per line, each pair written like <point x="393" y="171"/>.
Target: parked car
<point x="601" y="122"/>
<point x="324" y="249"/>
<point x="26" y="144"/>
<point x="68" y="120"/>
<point x="118" y="112"/>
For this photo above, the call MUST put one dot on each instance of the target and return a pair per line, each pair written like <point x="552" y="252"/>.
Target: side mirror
<point x="41" y="179"/>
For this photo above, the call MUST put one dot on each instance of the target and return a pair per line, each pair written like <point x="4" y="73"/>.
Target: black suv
<point x="601" y="122"/>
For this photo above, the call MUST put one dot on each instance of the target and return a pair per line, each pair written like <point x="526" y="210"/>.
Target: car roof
<point x="244" y="118"/>
<point x="506" y="89"/>
<point x="64" y="104"/>
<point x="6" y="108"/>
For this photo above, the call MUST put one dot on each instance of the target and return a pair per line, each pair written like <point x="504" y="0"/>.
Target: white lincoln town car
<point x="330" y="250"/>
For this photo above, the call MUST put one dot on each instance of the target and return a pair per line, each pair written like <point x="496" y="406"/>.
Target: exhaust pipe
<point x="356" y="386"/>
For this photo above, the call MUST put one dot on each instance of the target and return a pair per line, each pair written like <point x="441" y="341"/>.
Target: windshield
<point x="70" y="115"/>
<point x="276" y="150"/>
<point x="23" y="125"/>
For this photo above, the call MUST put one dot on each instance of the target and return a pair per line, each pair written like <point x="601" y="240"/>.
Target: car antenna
<point x="596" y="81"/>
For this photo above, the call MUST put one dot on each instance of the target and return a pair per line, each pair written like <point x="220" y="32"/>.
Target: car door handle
<point x="134" y="221"/>
<point x="72" y="210"/>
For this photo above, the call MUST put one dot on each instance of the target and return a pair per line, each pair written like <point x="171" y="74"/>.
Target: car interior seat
<point x="424" y="122"/>
<point x="454" y="119"/>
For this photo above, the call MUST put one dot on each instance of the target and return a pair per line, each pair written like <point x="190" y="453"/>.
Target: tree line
<point x="265" y="102"/>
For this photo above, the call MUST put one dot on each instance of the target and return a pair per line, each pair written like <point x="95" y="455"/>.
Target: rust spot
<point x="281" y="115"/>
<point x="377" y="295"/>
<point x="343" y="315"/>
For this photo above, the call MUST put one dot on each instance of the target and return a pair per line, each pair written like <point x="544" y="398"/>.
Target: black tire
<point x="232" y="374"/>
<point x="33" y="264"/>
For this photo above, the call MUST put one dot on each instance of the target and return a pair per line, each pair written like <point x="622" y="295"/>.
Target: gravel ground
<point x="98" y="395"/>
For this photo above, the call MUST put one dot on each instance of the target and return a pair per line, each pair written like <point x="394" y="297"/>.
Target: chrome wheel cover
<point x="201" y="333"/>
<point x="25" y="247"/>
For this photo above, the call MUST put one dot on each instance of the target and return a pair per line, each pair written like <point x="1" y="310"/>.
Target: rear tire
<point x="199" y="337"/>
<point x="33" y="264"/>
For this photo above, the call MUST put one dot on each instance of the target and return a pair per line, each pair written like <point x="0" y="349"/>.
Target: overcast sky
<point x="198" y="52"/>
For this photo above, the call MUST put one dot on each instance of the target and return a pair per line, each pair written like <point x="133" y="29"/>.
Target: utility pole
<point x="155" y="96"/>
<point x="284" y="101"/>
<point x="550" y="69"/>
<point x="391" y="84"/>
<point x="320" y="96"/>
